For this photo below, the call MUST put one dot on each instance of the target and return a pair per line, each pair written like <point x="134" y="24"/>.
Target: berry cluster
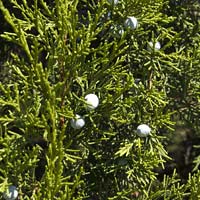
<point x="92" y="102"/>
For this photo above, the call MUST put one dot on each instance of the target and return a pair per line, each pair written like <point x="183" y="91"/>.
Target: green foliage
<point x="67" y="49"/>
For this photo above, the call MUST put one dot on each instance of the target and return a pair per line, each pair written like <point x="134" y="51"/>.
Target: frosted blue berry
<point x="11" y="193"/>
<point x="143" y="130"/>
<point x="131" y="22"/>
<point x="156" y="46"/>
<point x="92" y="101"/>
<point x="114" y="2"/>
<point x="78" y="122"/>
